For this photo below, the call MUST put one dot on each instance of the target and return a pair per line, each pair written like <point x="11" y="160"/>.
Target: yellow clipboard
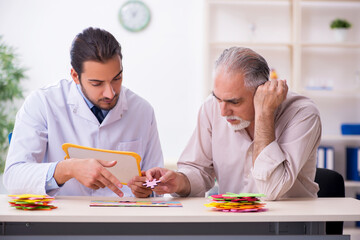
<point x="127" y="166"/>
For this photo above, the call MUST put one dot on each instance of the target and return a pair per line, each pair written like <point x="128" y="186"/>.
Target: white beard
<point x="236" y="127"/>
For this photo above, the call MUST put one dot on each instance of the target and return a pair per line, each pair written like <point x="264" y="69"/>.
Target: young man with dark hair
<point x="93" y="110"/>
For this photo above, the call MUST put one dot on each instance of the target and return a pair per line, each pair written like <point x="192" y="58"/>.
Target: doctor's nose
<point x="109" y="92"/>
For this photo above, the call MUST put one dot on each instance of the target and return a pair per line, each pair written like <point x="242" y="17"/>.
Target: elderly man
<point x="252" y="135"/>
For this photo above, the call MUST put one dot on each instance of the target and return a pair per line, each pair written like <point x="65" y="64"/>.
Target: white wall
<point x="163" y="63"/>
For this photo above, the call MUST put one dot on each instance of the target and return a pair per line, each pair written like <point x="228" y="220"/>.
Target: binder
<point x="357" y="223"/>
<point x="353" y="163"/>
<point x="320" y="157"/>
<point x="325" y="157"/>
<point x="329" y="158"/>
<point x="350" y="129"/>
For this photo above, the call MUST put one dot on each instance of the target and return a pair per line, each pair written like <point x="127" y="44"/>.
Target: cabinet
<point x="328" y="67"/>
<point x="265" y="26"/>
<point x="295" y="38"/>
<point x="352" y="188"/>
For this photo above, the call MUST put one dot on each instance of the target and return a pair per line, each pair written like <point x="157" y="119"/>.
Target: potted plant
<point x="10" y="76"/>
<point x="340" y="28"/>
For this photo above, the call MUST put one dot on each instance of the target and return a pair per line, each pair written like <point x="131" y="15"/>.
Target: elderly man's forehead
<point x="229" y="74"/>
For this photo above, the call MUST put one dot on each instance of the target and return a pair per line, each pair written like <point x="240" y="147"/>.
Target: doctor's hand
<point x="269" y="96"/>
<point x="171" y="182"/>
<point x="137" y="187"/>
<point x="91" y="173"/>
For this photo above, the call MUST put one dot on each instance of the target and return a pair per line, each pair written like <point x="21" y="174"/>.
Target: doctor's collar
<point x="90" y="104"/>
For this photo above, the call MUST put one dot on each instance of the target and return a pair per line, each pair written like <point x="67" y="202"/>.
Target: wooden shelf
<point x="252" y="2"/>
<point x="330" y="1"/>
<point x="250" y="44"/>
<point x="352" y="184"/>
<point x="331" y="44"/>
<point x="330" y="93"/>
<point x="297" y="41"/>
<point x="341" y="138"/>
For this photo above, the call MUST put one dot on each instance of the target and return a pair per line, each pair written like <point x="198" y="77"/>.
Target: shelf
<point x="340" y="138"/>
<point x="250" y="2"/>
<point x="332" y="2"/>
<point x="250" y="44"/>
<point x="234" y="21"/>
<point x="295" y="38"/>
<point x="352" y="184"/>
<point x="324" y="1"/>
<point x="332" y="45"/>
<point x="330" y="93"/>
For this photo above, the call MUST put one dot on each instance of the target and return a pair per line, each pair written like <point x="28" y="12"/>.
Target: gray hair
<point x="253" y="66"/>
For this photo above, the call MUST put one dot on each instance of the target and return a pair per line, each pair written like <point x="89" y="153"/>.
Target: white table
<point x="300" y="218"/>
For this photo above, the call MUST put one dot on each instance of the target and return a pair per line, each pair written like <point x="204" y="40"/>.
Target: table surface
<point x="77" y="209"/>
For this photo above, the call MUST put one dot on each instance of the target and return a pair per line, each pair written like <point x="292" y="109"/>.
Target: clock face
<point x="134" y="15"/>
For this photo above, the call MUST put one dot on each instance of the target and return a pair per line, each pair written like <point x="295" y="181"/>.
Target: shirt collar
<point x="90" y="105"/>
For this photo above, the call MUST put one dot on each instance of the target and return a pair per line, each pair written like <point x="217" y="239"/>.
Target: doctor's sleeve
<point x="153" y="156"/>
<point x="24" y="168"/>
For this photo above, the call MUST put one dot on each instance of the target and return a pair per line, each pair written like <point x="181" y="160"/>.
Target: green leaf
<point x="11" y="75"/>
<point x="340" y="23"/>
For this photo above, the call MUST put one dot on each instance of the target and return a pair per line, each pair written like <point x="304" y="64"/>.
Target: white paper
<point x="124" y="170"/>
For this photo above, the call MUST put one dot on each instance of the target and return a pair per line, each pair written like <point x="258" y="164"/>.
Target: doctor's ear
<point x="75" y="76"/>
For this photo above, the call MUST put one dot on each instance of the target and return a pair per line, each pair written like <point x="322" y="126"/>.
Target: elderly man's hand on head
<point x="267" y="99"/>
<point x="269" y="96"/>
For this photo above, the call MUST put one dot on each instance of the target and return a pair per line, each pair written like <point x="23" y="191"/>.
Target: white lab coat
<point x="58" y="114"/>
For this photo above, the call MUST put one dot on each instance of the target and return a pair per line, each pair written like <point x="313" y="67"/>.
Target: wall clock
<point x="134" y="15"/>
